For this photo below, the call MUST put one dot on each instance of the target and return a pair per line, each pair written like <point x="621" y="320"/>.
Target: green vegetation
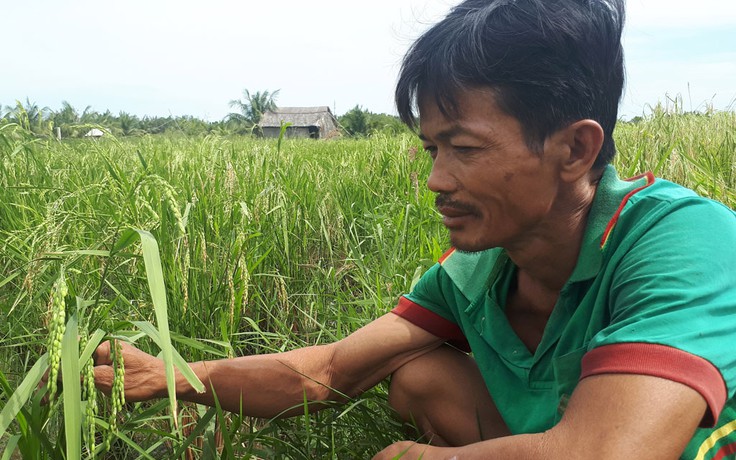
<point x="241" y="247"/>
<point x="358" y="122"/>
<point x="43" y="122"/>
<point x="694" y="149"/>
<point x="68" y="122"/>
<point x="252" y="107"/>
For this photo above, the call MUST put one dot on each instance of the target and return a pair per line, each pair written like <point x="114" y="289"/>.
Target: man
<point x="601" y="313"/>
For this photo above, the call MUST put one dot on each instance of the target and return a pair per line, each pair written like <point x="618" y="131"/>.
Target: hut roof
<point x="94" y="132"/>
<point x="299" y="116"/>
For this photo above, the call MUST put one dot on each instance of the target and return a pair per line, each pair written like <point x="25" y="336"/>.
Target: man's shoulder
<point x="680" y="205"/>
<point x="663" y="192"/>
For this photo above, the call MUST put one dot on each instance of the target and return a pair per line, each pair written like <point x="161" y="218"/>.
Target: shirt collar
<point x="610" y="198"/>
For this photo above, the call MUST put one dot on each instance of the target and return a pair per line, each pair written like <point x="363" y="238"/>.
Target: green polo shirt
<point x="653" y="292"/>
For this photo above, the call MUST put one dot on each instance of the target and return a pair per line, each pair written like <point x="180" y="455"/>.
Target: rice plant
<point x="203" y="248"/>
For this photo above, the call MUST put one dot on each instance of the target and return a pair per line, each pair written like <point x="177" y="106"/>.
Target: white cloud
<point x="679" y="14"/>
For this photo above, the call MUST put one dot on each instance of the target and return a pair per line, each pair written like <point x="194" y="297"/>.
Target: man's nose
<point x="440" y="178"/>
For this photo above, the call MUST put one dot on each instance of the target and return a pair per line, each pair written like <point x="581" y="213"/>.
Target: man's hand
<point x="410" y="450"/>
<point x="145" y="377"/>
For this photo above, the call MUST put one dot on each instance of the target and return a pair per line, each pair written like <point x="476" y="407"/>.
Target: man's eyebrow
<point x="444" y="135"/>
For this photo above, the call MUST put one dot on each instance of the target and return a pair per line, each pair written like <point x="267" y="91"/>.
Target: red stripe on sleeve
<point x="664" y="362"/>
<point x="728" y="449"/>
<point x="432" y="323"/>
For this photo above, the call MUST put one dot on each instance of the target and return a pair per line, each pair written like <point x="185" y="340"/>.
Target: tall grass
<point x="262" y="247"/>
<point x="693" y="149"/>
<point x="260" y="251"/>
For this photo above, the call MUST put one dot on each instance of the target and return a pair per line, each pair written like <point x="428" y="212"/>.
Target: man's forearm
<point x="260" y="386"/>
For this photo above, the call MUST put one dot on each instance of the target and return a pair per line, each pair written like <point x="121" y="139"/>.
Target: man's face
<point x="492" y="190"/>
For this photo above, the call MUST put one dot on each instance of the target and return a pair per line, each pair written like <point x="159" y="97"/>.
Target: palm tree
<point x="68" y="115"/>
<point x="253" y="106"/>
<point x="92" y="117"/>
<point x="29" y="117"/>
<point x="68" y="119"/>
<point x="128" y="124"/>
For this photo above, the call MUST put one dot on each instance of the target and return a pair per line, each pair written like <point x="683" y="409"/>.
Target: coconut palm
<point x="68" y="115"/>
<point x="129" y="124"/>
<point x="253" y="106"/>
<point x="30" y="117"/>
<point x="68" y="119"/>
<point x="93" y="117"/>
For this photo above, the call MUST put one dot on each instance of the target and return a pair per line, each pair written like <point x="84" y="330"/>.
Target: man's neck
<point x="546" y="261"/>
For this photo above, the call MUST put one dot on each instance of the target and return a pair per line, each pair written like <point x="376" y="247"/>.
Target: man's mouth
<point x="454" y="214"/>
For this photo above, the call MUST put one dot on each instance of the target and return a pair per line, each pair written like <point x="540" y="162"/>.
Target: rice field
<point x="212" y="247"/>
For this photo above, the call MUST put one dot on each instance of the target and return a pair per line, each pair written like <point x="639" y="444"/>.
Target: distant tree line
<point x="71" y="122"/>
<point x="43" y="121"/>
<point x="358" y="122"/>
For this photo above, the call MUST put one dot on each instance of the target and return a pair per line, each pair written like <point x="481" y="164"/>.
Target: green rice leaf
<point x="9" y="279"/>
<point x="127" y="238"/>
<point x="72" y="391"/>
<point x="198" y="430"/>
<point x="179" y="362"/>
<point x="143" y="160"/>
<point x="92" y="344"/>
<point x="155" y="276"/>
<point x="10" y="447"/>
<point x="203" y="345"/>
<point x="23" y="393"/>
<point x="81" y="252"/>
<point x="134" y="445"/>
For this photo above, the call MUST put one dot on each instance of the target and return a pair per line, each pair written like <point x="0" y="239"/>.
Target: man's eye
<point x="463" y="149"/>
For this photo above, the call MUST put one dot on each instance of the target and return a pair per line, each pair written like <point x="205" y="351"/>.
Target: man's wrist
<point x="184" y="390"/>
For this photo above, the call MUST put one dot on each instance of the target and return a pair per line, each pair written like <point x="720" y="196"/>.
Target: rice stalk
<point x="57" y="326"/>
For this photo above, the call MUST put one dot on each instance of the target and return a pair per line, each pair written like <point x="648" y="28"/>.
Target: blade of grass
<point x="72" y="391"/>
<point x="180" y="363"/>
<point x="10" y="447"/>
<point x="92" y="343"/>
<point x="198" y="430"/>
<point x="155" y="277"/>
<point x="23" y="393"/>
<point x="9" y="279"/>
<point x="127" y="440"/>
<point x="227" y="445"/>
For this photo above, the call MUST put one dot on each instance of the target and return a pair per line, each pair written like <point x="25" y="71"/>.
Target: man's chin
<point x="467" y="245"/>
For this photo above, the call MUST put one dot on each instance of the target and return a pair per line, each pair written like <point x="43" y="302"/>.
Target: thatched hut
<point x="307" y="122"/>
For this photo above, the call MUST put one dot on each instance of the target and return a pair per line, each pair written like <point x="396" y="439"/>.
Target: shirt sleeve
<point x="673" y="305"/>
<point x="427" y="308"/>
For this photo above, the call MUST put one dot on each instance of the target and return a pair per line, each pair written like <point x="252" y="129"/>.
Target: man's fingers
<point x="103" y="378"/>
<point x="101" y="355"/>
<point x="104" y="372"/>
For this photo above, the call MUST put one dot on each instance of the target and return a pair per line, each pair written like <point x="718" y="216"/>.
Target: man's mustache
<point x="445" y="200"/>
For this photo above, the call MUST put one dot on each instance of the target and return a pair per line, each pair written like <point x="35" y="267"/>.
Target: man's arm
<point x="272" y="384"/>
<point x="610" y="416"/>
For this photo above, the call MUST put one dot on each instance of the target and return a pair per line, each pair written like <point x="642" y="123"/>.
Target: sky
<point x="185" y="57"/>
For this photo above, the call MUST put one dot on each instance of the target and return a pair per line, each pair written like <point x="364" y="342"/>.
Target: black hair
<point x="549" y="63"/>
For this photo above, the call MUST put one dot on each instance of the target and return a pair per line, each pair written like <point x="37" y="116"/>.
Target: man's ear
<point x="579" y="145"/>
